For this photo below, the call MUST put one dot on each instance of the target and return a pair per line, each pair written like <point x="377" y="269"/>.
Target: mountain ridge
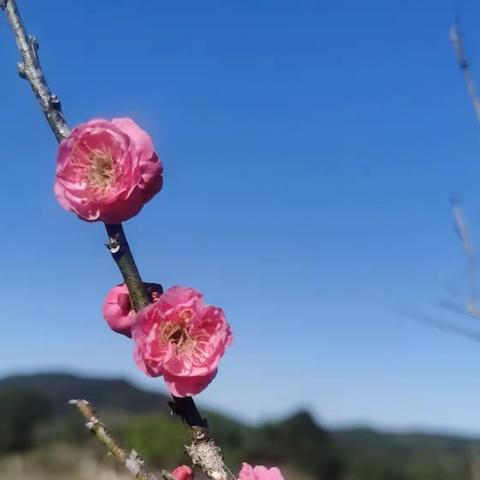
<point x="298" y="441"/>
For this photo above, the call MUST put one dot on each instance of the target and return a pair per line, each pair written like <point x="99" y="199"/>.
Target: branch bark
<point x="203" y="450"/>
<point x="122" y="255"/>
<point x="131" y="460"/>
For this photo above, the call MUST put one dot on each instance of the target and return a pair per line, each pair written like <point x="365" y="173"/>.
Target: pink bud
<point x="118" y="310"/>
<point x="182" y="473"/>
<point x="107" y="170"/>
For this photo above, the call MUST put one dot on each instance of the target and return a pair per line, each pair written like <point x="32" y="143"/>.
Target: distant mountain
<point x="368" y="439"/>
<point x="116" y="394"/>
<point x="406" y="456"/>
<point x="298" y="443"/>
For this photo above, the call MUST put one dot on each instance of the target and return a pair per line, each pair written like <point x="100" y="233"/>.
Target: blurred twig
<point x="131" y="460"/>
<point x="464" y="235"/>
<point x="440" y="324"/>
<point x="461" y="227"/>
<point x="457" y="42"/>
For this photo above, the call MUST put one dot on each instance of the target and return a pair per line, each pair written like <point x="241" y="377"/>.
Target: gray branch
<point x="131" y="460"/>
<point x="30" y="69"/>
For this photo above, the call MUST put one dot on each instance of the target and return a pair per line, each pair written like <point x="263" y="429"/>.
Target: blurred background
<point x="311" y="150"/>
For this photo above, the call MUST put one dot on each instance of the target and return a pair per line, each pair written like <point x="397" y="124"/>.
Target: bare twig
<point x="203" y="450"/>
<point x="440" y="324"/>
<point x="30" y="69"/>
<point x="457" y="42"/>
<point x="132" y="461"/>
<point x="464" y="235"/>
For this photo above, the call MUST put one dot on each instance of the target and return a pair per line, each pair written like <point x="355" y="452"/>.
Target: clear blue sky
<point x="310" y="151"/>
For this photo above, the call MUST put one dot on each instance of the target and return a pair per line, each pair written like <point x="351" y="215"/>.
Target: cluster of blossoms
<point x="177" y="336"/>
<point x="106" y="171"/>
<point x="246" y="473"/>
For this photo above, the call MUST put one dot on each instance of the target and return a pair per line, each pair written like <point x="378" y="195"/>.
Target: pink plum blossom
<point x="118" y="310"/>
<point x="182" y="339"/>
<point x="107" y="170"/>
<point x="259" y="473"/>
<point x="182" y="473"/>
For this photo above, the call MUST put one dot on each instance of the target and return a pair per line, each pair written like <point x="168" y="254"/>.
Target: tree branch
<point x="122" y="255"/>
<point x="202" y="449"/>
<point x="464" y="235"/>
<point x="30" y="69"/>
<point x="131" y="460"/>
<point x="457" y="42"/>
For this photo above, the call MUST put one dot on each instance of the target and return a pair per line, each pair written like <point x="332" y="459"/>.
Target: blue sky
<point x="310" y="151"/>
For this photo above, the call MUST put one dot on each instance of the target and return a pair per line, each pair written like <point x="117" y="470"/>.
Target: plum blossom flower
<point x="107" y="170"/>
<point x="182" y="339"/>
<point x="259" y="473"/>
<point x="182" y="473"/>
<point x="118" y="310"/>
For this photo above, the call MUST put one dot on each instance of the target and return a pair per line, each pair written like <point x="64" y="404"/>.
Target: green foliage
<point x="21" y="410"/>
<point x="158" y="438"/>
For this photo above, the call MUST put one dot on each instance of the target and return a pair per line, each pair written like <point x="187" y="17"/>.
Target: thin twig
<point x="457" y="42"/>
<point x="440" y="324"/>
<point x="30" y="69"/>
<point x="464" y="235"/>
<point x="131" y="460"/>
<point x="203" y="450"/>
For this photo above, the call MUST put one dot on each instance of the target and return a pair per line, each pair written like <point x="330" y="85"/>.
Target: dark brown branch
<point x="122" y="255"/>
<point x="202" y="450"/>
<point x="131" y="460"/>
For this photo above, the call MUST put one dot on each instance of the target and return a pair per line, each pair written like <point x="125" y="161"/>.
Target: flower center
<point x="102" y="172"/>
<point x="177" y="335"/>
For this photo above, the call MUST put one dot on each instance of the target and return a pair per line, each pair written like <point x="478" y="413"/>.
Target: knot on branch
<point x="113" y="244"/>
<point x="55" y="102"/>
<point x="200" y="434"/>
<point x="134" y="463"/>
